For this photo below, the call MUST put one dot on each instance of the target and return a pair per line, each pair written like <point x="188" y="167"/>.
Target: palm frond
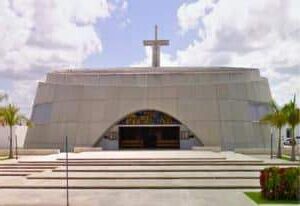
<point x="276" y="117"/>
<point x="292" y="112"/>
<point x="267" y="118"/>
<point x="10" y="116"/>
<point x="274" y="106"/>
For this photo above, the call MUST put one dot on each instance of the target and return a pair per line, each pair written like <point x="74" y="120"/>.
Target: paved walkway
<point x="125" y="198"/>
<point x="190" y="174"/>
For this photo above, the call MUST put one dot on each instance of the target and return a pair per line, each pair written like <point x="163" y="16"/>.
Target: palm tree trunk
<point x="16" y="149"/>
<point x="279" y="153"/>
<point x="10" y="156"/>
<point x="293" y="154"/>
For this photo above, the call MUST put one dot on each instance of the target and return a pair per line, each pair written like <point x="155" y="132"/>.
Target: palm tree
<point x="292" y="113"/>
<point x="277" y="119"/>
<point x="10" y="116"/>
<point x="2" y="97"/>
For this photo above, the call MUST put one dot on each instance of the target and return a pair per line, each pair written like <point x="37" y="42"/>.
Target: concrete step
<point x="143" y="154"/>
<point x="21" y="170"/>
<point x="147" y="159"/>
<point x="146" y="175"/>
<point x="21" y="167"/>
<point x="3" y="174"/>
<point x="136" y="184"/>
<point x="132" y="161"/>
<point x="191" y="168"/>
<point x="91" y="163"/>
<point x="236" y="163"/>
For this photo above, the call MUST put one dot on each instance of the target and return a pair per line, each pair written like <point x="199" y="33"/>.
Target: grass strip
<point x="259" y="200"/>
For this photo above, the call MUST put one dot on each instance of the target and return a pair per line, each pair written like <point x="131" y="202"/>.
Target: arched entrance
<point x="148" y="129"/>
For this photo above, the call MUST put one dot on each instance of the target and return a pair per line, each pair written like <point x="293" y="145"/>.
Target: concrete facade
<point x="220" y="106"/>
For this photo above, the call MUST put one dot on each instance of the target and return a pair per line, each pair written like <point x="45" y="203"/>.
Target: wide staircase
<point x="137" y="170"/>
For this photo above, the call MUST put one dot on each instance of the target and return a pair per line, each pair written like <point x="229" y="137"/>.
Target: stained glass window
<point x="148" y="118"/>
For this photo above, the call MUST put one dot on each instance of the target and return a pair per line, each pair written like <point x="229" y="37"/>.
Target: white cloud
<point x="124" y="5"/>
<point x="190" y="14"/>
<point x="22" y="94"/>
<point x="37" y="36"/>
<point x="263" y="34"/>
<point x="40" y="32"/>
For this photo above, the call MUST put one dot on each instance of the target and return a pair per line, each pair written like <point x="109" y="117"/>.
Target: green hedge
<point x="280" y="183"/>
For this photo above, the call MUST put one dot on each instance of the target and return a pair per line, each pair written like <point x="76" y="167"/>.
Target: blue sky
<point x="41" y="36"/>
<point x="125" y="42"/>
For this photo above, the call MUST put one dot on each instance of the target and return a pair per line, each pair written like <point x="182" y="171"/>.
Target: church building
<point x="151" y="107"/>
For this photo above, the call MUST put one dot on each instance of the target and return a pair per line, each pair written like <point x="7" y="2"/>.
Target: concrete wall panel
<point x="44" y="94"/>
<point x="213" y="103"/>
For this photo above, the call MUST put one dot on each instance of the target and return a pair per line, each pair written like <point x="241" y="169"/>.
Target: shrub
<point x="280" y="183"/>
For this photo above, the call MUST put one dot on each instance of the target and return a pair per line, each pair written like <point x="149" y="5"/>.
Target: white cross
<point x="156" y="48"/>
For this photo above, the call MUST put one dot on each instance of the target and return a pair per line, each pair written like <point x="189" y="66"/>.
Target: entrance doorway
<point x="148" y="129"/>
<point x="149" y="137"/>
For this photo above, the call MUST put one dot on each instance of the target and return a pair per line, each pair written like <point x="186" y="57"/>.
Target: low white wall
<point x="4" y="152"/>
<point x="20" y="131"/>
<point x="203" y="148"/>
<point x="266" y="151"/>
<point x="283" y="131"/>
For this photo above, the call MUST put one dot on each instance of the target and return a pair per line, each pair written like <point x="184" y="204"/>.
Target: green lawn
<point x="286" y="157"/>
<point x="259" y="200"/>
<point x="3" y="158"/>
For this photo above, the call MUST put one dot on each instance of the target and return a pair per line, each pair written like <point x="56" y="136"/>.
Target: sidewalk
<point x="125" y="198"/>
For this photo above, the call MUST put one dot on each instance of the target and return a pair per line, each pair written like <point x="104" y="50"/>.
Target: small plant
<point x="280" y="183"/>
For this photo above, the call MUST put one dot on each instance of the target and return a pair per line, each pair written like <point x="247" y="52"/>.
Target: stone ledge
<point x="264" y="151"/>
<point x="213" y="149"/>
<point x="204" y="187"/>
<point x="87" y="149"/>
<point x="31" y="151"/>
